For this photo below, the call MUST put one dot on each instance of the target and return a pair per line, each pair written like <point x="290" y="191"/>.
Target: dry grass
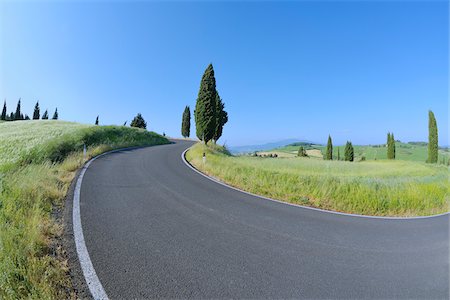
<point x="38" y="165"/>
<point x="384" y="188"/>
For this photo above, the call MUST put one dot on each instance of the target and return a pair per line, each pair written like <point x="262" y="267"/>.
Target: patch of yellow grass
<point x="384" y="188"/>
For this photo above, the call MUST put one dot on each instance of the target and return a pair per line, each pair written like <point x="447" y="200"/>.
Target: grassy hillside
<point x="404" y="151"/>
<point x="38" y="160"/>
<point x="385" y="188"/>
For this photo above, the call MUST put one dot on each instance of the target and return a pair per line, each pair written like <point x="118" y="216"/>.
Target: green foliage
<point x="4" y="116"/>
<point x="329" y="153"/>
<point x="432" y="139"/>
<point x="338" y="154"/>
<point x="55" y="115"/>
<point x="18" y="115"/>
<point x="38" y="160"/>
<point x="139" y="122"/>
<point x="393" y="146"/>
<point x="302" y="152"/>
<point x="349" y="152"/>
<point x="396" y="188"/>
<point x="36" y="112"/>
<point x="221" y="117"/>
<point x="205" y="108"/>
<point x="186" y="122"/>
<point x="45" y="115"/>
<point x="390" y="146"/>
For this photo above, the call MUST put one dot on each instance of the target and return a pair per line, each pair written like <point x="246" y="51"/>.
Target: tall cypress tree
<point x="389" y="146"/>
<point x="186" y="122"/>
<point x="205" y="108"/>
<point x="4" y="116"/>
<point x="392" y="146"/>
<point x="37" y="112"/>
<point x="349" y="152"/>
<point x="18" y="114"/>
<point x="432" y="138"/>
<point x="96" y="121"/>
<point x="45" y="115"/>
<point x="221" y="117"/>
<point x="55" y="114"/>
<point x="329" y="153"/>
<point x="338" y="155"/>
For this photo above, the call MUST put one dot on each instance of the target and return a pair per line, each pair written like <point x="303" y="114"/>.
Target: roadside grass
<point x="382" y="188"/>
<point x="38" y="161"/>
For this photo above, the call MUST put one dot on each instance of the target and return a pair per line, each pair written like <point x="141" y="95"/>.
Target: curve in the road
<point x="156" y="229"/>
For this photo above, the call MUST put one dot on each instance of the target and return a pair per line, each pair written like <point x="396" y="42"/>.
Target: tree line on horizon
<point x="390" y="145"/>
<point x="210" y="115"/>
<point x="19" y="116"/>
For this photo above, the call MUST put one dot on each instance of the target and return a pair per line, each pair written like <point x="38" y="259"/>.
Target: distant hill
<point x="263" y="147"/>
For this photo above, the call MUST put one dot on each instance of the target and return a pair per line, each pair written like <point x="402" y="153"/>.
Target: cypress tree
<point x="96" y="121"/>
<point x="45" y="115"/>
<point x="349" y="152"/>
<point x="393" y="145"/>
<point x="11" y="116"/>
<point x="55" y="115"/>
<point x="37" y="112"/>
<point x="4" y="116"/>
<point x="338" y="155"/>
<point x="329" y="153"/>
<point x="390" y="153"/>
<point x="221" y="117"/>
<point x="139" y="122"/>
<point x="186" y="122"/>
<point x="18" y="115"/>
<point x="301" y="152"/>
<point x="205" y="108"/>
<point x="432" y="138"/>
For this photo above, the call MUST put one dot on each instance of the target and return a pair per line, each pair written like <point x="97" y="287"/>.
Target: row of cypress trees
<point x="18" y="115"/>
<point x="349" y="152"/>
<point x="433" y="147"/>
<point x="210" y="115"/>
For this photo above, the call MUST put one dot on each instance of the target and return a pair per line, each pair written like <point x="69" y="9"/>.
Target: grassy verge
<point x="383" y="188"/>
<point x="38" y="161"/>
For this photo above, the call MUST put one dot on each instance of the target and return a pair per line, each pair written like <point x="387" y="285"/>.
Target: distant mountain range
<point x="263" y="147"/>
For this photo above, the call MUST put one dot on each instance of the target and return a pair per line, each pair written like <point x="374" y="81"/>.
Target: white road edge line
<point x="183" y="157"/>
<point x="95" y="287"/>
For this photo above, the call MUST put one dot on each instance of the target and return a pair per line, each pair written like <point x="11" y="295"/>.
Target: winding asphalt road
<point x="154" y="228"/>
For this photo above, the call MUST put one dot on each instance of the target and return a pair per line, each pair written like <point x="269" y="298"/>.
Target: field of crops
<point x="385" y="188"/>
<point x="38" y="160"/>
<point x="404" y="151"/>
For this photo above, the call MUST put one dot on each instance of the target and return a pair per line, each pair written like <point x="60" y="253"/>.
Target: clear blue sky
<point x="305" y="69"/>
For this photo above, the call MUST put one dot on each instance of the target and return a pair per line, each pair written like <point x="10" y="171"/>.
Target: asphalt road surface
<point x="154" y="228"/>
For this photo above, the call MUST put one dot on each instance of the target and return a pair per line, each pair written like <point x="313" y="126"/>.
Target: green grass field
<point x="404" y="151"/>
<point x="383" y="188"/>
<point x="38" y="161"/>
